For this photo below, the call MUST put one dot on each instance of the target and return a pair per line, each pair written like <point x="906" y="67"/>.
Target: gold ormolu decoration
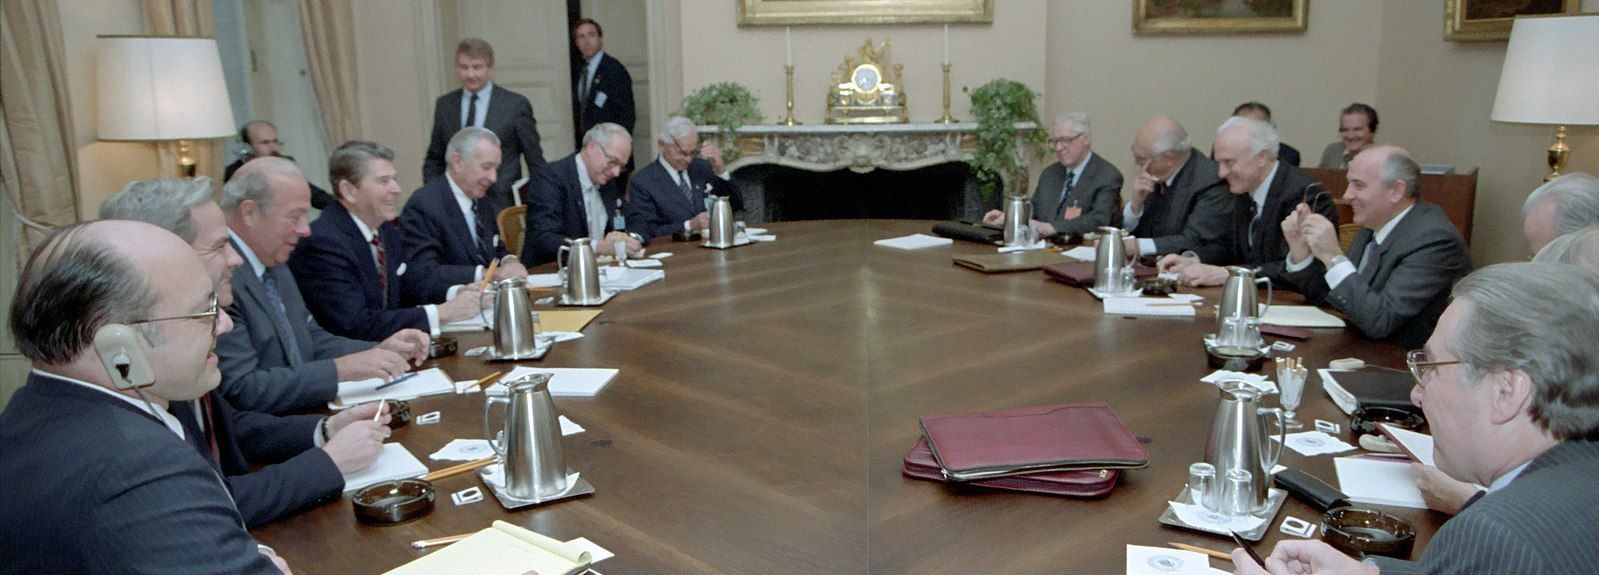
<point x="864" y="91"/>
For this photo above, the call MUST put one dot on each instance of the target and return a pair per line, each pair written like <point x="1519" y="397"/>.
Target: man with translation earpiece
<point x="119" y="319"/>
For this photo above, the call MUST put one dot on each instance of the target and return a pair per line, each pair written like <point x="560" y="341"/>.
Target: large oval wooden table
<point x="768" y="393"/>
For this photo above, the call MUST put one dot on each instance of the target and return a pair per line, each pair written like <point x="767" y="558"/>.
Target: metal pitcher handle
<point x="1282" y="439"/>
<point x="562" y="258"/>
<point x="1268" y="294"/>
<point x="487" y="402"/>
<point x="482" y="313"/>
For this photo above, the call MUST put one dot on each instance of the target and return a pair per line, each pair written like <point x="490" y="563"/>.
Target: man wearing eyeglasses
<point x="1511" y="391"/>
<point x="262" y="138"/>
<point x="1077" y="194"/>
<point x="673" y="193"/>
<point x="452" y="236"/>
<point x="119" y="319"/>
<point x="566" y="199"/>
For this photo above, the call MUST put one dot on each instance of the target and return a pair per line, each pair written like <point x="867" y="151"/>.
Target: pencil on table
<point x="1198" y="549"/>
<point x="459" y="469"/>
<point x="485" y="380"/>
<point x="424" y="543"/>
<point x="488" y="276"/>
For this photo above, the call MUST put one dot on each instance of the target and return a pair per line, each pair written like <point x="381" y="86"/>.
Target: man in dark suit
<point x="1510" y="390"/>
<point x="352" y="268"/>
<point x="565" y="199"/>
<point x="602" y="90"/>
<point x="1258" y="111"/>
<point x="118" y="319"/>
<point x="451" y="233"/>
<point x="1077" y="194"/>
<point x="279" y="359"/>
<point x="1395" y="280"/>
<point x="1265" y="191"/>
<point x="1178" y="201"/>
<point x="295" y="474"/>
<point x="481" y="103"/>
<point x="262" y="138"/>
<point x="672" y="193"/>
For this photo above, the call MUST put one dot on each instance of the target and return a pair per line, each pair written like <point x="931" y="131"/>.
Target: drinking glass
<point x="1291" y="385"/>
<point x="1201" y="476"/>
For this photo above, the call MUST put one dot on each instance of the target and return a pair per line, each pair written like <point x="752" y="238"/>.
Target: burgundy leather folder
<point x="919" y="464"/>
<point x="1082" y="273"/>
<point x="1061" y="437"/>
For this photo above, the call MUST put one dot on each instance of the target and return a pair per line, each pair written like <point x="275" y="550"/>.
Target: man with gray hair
<point x="452" y="236"/>
<point x="674" y="192"/>
<point x="567" y="199"/>
<point x="1178" y="201"/>
<point x="1394" y="282"/>
<point x="1560" y="206"/>
<point x="1579" y="248"/>
<point x="280" y="360"/>
<point x="1264" y="190"/>
<point x="482" y="103"/>
<point x="1079" y="192"/>
<point x="1511" y="390"/>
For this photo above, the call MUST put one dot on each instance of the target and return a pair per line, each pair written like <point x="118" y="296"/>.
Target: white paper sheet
<point x="544" y="280"/>
<point x="1379" y="481"/>
<point x="1313" y="443"/>
<point x="1038" y="245"/>
<point x="1300" y="316"/>
<point x="763" y="237"/>
<point x="394" y="463"/>
<point x="472" y="449"/>
<point x="596" y="553"/>
<point x="1198" y="517"/>
<point x="1143" y="560"/>
<point x="1186" y="297"/>
<point x="914" y="242"/>
<point x="626" y="279"/>
<point x="1258" y="381"/>
<point x="644" y="264"/>
<point x="1084" y="253"/>
<point x="566" y="381"/>
<point x="427" y="382"/>
<point x="1147" y="306"/>
<point x="1417" y="444"/>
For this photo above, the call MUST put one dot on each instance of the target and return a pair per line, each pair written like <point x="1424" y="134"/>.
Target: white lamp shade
<point x="1551" y="73"/>
<point x="162" y="88"/>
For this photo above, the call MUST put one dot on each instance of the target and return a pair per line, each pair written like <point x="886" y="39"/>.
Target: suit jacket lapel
<point x="255" y="293"/>
<point x="456" y="226"/>
<point x="294" y="310"/>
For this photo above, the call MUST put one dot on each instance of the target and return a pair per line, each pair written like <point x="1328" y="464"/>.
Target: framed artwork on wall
<point x="1175" y="17"/>
<point x="1489" y="20"/>
<point x="801" y="12"/>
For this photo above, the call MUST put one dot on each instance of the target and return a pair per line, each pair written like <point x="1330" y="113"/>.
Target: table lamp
<point x="1551" y="76"/>
<point x="162" y="88"/>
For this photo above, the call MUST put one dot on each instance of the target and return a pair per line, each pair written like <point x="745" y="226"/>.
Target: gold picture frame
<point x="804" y="12"/>
<point x="1489" y="20"/>
<point x="1185" y="17"/>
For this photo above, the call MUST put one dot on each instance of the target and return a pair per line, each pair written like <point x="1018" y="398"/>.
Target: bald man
<point x="1178" y="201"/>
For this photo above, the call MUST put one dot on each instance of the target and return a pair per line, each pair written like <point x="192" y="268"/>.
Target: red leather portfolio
<point x="919" y="464"/>
<point x="1082" y="273"/>
<point x="1062" y="437"/>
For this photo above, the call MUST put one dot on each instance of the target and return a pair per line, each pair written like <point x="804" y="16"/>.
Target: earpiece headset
<point x="119" y="350"/>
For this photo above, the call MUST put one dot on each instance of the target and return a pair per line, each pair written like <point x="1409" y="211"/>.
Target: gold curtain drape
<point x="329" y="30"/>
<point x="38" y="157"/>
<point x="185" y="18"/>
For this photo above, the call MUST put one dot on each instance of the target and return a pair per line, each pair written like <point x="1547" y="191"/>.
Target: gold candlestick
<point x="947" y="119"/>
<point x="789" y="120"/>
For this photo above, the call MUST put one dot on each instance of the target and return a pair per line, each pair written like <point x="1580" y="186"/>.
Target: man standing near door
<point x="481" y="103"/>
<point x="602" y="90"/>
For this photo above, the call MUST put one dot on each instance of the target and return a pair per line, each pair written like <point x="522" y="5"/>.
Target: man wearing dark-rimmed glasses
<point x="568" y="199"/>
<point x="673" y="193"/>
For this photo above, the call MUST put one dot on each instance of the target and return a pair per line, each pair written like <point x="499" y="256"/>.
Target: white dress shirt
<point x="1344" y="268"/>
<point x="593" y="204"/>
<point x="482" y="104"/>
<point x="1130" y="219"/>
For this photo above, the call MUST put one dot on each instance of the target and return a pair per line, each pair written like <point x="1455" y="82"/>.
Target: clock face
<point x="865" y="78"/>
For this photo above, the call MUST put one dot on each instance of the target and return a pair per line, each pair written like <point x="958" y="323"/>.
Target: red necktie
<point x="383" y="268"/>
<point x="207" y="416"/>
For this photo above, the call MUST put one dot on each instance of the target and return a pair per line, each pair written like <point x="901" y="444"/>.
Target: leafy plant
<point x="726" y="105"/>
<point x="999" y="160"/>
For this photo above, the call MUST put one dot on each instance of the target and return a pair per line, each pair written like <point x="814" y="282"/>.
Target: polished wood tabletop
<point x="768" y="393"/>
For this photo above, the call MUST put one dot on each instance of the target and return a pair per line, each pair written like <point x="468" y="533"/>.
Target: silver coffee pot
<point x="515" y="329"/>
<point x="1238" y="441"/>
<point x="530" y="443"/>
<point x="580" y="273"/>
<point x="722" y="231"/>
<point x="1018" y="219"/>
<point x="1113" y="266"/>
<point x="1238" y="317"/>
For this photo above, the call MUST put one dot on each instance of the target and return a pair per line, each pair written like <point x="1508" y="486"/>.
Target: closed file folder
<point x="1069" y="436"/>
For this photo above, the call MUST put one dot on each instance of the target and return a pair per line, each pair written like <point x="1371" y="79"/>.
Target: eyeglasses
<point x="1058" y="142"/>
<point x="212" y="313"/>
<point x="615" y="161"/>
<point x="1423" y="365"/>
<point x="691" y="152"/>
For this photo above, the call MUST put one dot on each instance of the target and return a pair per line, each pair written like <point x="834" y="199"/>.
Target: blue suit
<point x="439" y="246"/>
<point x="338" y="276"/>
<point x="96" y="485"/>
<point x="555" y="211"/>
<point x="656" y="205"/>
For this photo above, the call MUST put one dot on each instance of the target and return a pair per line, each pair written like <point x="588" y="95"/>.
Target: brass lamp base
<point x="1558" y="154"/>
<point x="187" y="165"/>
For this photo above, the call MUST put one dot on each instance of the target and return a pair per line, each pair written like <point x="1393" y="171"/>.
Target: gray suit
<point x="257" y="374"/>
<point x="1192" y="212"/>
<point x="1544" y="522"/>
<point x="1098" y="192"/>
<point x="1397" y="299"/>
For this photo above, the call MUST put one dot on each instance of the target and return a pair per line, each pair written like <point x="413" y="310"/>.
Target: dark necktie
<point x="1257" y="226"/>
<point x="485" y="234"/>
<point x="471" y="113"/>
<point x="209" y="420"/>
<point x="1366" y="255"/>
<point x="281" y="317"/>
<point x="383" y="267"/>
<point x="688" y="189"/>
<point x="1065" y="193"/>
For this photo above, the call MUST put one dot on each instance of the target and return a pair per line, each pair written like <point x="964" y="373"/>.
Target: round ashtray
<point x="1365" y="419"/>
<point x="1158" y="286"/>
<point x="442" y="346"/>
<point x="393" y="502"/>
<point x="1364" y="532"/>
<point x="399" y="413"/>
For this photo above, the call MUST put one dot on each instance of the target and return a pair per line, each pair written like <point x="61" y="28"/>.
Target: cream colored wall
<point x="103" y="167"/>
<point x="396" y="49"/>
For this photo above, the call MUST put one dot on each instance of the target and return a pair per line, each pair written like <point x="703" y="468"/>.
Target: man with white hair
<point x="674" y="192"/>
<point x="1178" y="201"/>
<point x="452" y="235"/>
<point x="1079" y="192"/>
<point x="567" y="199"/>
<point x="1511" y="391"/>
<point x="1579" y="248"/>
<point x="1560" y="206"/>
<point x="1264" y="191"/>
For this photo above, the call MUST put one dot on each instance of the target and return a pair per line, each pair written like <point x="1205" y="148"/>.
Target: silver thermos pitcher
<point x="722" y="232"/>
<point x="1238" y="317"/>
<point x="580" y="273"/>
<point x="530" y="444"/>
<point x="514" y="327"/>
<point x="1018" y="218"/>
<point x="1113" y="270"/>
<point x="1238" y="441"/>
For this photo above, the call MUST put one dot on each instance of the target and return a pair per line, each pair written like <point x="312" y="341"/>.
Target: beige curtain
<point x="329" y="30"/>
<point x="185" y="18"/>
<point x="38" y="158"/>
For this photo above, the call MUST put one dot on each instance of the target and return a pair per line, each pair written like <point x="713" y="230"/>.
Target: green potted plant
<point x="726" y="105"/>
<point x="1001" y="160"/>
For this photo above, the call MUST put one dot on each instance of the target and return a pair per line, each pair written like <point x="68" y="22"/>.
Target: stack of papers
<point x="426" y="382"/>
<point x="503" y="549"/>
<point x="1148" y="306"/>
<point x="564" y="382"/>
<point x="1378" y="481"/>
<point x="1300" y="316"/>
<point x="627" y="279"/>
<point x="394" y="463"/>
<point x="544" y="280"/>
<point x="914" y="242"/>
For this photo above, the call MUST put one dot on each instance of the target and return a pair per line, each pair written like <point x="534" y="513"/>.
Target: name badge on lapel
<point x="400" y="271"/>
<point x="599" y="99"/>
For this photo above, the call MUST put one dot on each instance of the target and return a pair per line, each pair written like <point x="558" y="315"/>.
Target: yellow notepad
<point x="566" y="319"/>
<point x="503" y="549"/>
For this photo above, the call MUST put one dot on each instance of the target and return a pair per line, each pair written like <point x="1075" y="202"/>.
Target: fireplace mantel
<point x="859" y="147"/>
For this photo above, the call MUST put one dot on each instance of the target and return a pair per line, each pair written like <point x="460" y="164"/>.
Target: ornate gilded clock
<point x="863" y="93"/>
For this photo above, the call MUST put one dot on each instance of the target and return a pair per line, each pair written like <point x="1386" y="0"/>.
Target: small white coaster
<point x="428" y="418"/>
<point x="467" y="496"/>
<point x="1328" y="427"/>
<point x="1297" y="527"/>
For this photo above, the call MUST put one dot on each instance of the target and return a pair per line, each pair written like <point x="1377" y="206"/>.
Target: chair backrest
<point x="511" y="221"/>
<point x="1346" y="235"/>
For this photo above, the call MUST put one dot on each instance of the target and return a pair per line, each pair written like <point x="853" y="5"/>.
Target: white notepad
<point x="396" y="462"/>
<point x="1300" y="316"/>
<point x="1147" y="306"/>
<point x="625" y="279"/>
<point x="564" y="381"/>
<point x="503" y="549"/>
<point x="1083" y="253"/>
<point x="427" y="382"/>
<point x="914" y="242"/>
<point x="1379" y="481"/>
